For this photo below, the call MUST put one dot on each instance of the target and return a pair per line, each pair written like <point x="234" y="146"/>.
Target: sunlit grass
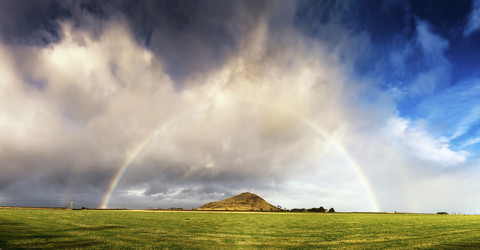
<point x="127" y="229"/>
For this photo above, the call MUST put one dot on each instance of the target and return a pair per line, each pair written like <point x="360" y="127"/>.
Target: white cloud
<point x="433" y="47"/>
<point x="473" y="20"/>
<point x="470" y="142"/>
<point x="432" y="44"/>
<point x="424" y="145"/>
<point x="466" y="122"/>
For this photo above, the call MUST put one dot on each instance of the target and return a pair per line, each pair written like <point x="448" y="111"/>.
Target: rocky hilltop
<point x="241" y="202"/>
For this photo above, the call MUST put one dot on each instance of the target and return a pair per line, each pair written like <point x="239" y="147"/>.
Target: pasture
<point x="213" y="230"/>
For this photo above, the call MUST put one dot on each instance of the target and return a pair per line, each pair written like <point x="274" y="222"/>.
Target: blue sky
<point x="425" y="52"/>
<point x="357" y="105"/>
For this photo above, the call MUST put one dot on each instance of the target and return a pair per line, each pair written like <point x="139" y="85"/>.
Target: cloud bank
<point x="241" y="102"/>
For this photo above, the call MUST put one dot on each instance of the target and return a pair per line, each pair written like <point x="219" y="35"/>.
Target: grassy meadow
<point x="213" y="230"/>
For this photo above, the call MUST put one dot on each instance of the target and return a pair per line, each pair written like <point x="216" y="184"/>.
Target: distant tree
<point x="176" y="208"/>
<point x="331" y="210"/>
<point x="317" y="210"/>
<point x="298" y="210"/>
<point x="442" y="213"/>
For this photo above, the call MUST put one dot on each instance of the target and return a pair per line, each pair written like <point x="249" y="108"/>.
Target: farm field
<point x="149" y="229"/>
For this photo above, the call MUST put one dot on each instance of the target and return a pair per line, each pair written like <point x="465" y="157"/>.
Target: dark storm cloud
<point x="186" y="34"/>
<point x="183" y="34"/>
<point x="30" y="22"/>
<point x="28" y="174"/>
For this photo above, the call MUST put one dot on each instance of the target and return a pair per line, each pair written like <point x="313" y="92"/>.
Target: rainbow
<point x="340" y="149"/>
<point x="133" y="154"/>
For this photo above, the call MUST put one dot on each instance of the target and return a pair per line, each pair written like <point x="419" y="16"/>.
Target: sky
<point x="357" y="105"/>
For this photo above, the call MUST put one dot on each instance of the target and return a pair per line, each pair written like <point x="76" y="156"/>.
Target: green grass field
<point x="213" y="230"/>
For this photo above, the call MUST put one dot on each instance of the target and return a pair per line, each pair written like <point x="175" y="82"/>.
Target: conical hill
<point x="241" y="202"/>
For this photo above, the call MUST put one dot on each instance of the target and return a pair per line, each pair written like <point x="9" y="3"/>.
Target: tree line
<point x="313" y="209"/>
